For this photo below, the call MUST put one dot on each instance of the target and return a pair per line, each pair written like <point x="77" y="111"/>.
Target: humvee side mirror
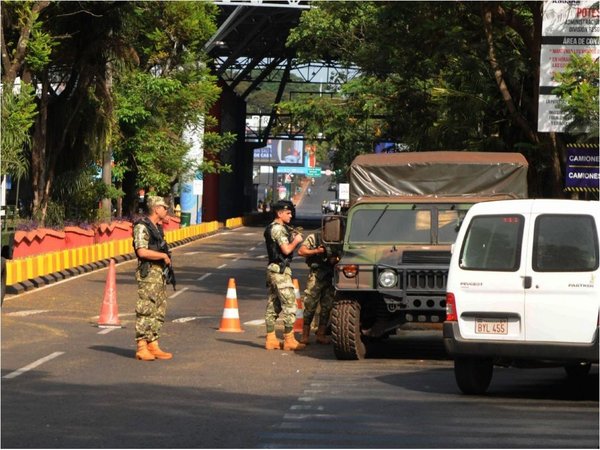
<point x="332" y="229"/>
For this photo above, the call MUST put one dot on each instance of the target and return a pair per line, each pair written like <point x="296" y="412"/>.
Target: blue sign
<point x="583" y="168"/>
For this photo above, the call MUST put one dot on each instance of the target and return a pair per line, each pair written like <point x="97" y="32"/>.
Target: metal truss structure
<point x="250" y="46"/>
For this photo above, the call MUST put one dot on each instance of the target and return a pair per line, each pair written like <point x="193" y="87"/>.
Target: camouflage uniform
<point x="282" y="297"/>
<point x="319" y="286"/>
<point x="151" y="306"/>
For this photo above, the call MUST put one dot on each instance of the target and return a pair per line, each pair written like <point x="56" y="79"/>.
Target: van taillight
<point x="450" y="308"/>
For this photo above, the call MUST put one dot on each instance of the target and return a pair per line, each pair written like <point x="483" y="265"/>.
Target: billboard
<point x="280" y="152"/>
<point x="569" y="27"/>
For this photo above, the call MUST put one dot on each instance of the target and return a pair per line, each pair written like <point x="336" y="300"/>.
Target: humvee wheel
<point x="345" y="330"/>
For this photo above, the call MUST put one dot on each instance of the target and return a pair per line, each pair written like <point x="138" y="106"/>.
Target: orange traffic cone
<point x="299" y="324"/>
<point x="109" y="313"/>
<point x="230" y="322"/>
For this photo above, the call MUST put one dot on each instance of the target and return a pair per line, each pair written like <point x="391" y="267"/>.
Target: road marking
<point x="180" y="291"/>
<point x="33" y="365"/>
<point x="29" y="312"/>
<point x="203" y="277"/>
<point x="222" y="266"/>
<point x="227" y="255"/>
<point x="248" y="234"/>
<point x="191" y="253"/>
<point x="261" y="256"/>
<point x="189" y="319"/>
<point x="252" y="249"/>
<point x="108" y="330"/>
<point x="255" y="322"/>
<point x="236" y="259"/>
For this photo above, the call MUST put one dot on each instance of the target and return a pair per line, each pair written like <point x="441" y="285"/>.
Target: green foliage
<point x="18" y="115"/>
<point x="578" y="91"/>
<point x="169" y="93"/>
<point x="39" y="48"/>
<point x="425" y="78"/>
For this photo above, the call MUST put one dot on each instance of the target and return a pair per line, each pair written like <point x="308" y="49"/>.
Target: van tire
<point x="345" y="330"/>
<point x="473" y="375"/>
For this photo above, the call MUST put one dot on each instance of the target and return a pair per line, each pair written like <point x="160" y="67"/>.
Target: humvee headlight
<point x="350" y="271"/>
<point x="388" y="278"/>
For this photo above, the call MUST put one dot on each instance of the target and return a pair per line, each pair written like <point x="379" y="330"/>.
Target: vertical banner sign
<point x="583" y="168"/>
<point x="569" y="27"/>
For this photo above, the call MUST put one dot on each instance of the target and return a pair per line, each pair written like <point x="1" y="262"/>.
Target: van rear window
<point x="493" y="243"/>
<point x="565" y="243"/>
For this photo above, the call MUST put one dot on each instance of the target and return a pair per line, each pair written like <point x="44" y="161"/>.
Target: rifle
<point x="168" y="271"/>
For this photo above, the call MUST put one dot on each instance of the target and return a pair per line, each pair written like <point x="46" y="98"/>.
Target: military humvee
<point x="396" y="238"/>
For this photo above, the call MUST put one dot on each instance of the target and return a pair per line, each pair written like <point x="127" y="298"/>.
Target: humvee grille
<point x="421" y="257"/>
<point x="426" y="279"/>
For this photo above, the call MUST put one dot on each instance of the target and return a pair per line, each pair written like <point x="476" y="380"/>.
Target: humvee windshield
<point x="389" y="224"/>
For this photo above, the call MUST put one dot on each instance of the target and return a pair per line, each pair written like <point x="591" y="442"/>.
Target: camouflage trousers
<point x="318" y="291"/>
<point x="281" y="299"/>
<point x="150" y="310"/>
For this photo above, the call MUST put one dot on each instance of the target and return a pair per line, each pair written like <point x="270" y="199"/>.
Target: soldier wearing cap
<point x="152" y="252"/>
<point x="281" y="243"/>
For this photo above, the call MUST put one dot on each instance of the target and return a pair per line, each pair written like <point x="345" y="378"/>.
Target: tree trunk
<point x="38" y="155"/>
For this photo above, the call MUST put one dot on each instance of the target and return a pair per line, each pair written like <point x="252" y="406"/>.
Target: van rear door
<point x="489" y="285"/>
<point x="563" y="300"/>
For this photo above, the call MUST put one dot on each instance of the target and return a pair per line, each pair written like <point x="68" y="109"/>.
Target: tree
<point x="167" y="92"/>
<point x="81" y="56"/>
<point x="578" y="91"/>
<point x="438" y="75"/>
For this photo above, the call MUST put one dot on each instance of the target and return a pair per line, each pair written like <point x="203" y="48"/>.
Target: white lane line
<point x="204" y="277"/>
<point x="227" y="255"/>
<point x="222" y="266"/>
<point x="190" y="253"/>
<point x="255" y="322"/>
<point x="180" y="291"/>
<point x="189" y="319"/>
<point x="33" y="365"/>
<point x="252" y="249"/>
<point x="108" y="330"/>
<point x="29" y="312"/>
<point x="236" y="259"/>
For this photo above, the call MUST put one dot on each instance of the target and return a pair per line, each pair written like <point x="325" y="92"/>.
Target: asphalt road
<point x="68" y="384"/>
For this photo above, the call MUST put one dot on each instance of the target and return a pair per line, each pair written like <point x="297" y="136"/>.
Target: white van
<point x="524" y="289"/>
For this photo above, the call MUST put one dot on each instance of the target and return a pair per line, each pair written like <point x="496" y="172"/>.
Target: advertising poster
<point x="569" y="27"/>
<point x="280" y="152"/>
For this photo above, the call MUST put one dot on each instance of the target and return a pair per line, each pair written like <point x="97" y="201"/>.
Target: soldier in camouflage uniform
<point x="282" y="298"/>
<point x="152" y="253"/>
<point x="319" y="286"/>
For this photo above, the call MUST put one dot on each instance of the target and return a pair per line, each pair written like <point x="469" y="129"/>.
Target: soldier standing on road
<point x="282" y="297"/>
<point x="319" y="286"/>
<point x="152" y="252"/>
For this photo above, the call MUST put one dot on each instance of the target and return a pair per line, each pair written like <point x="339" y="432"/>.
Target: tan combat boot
<point x="322" y="337"/>
<point x="272" y="343"/>
<point x="305" y="334"/>
<point x="157" y="352"/>
<point x="143" y="353"/>
<point x="290" y="342"/>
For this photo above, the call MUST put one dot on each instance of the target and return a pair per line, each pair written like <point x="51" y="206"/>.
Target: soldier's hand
<point x="167" y="260"/>
<point x="298" y="238"/>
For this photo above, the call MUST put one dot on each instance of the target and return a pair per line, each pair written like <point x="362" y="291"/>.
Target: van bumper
<point x="456" y="345"/>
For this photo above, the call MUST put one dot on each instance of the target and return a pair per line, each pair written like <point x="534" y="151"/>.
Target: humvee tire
<point x="345" y="330"/>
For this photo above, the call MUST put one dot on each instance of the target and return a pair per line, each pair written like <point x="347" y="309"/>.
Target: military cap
<point x="282" y="205"/>
<point x="156" y="201"/>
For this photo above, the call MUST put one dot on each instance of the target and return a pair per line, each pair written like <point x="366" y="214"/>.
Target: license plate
<point x="491" y="326"/>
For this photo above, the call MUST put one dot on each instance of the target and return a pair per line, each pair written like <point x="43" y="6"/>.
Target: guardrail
<point x="34" y="267"/>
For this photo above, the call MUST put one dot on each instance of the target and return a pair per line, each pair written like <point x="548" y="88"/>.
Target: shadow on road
<point x="119" y="351"/>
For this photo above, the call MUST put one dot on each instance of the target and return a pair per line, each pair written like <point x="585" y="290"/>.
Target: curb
<point x="45" y="280"/>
